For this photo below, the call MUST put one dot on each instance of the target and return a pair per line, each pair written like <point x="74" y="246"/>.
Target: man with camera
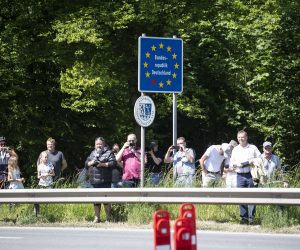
<point x="5" y="154"/>
<point x="99" y="164"/>
<point x="183" y="163"/>
<point x="130" y="155"/>
<point x="154" y="162"/>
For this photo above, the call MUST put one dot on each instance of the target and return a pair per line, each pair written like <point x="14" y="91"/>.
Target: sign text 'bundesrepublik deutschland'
<point x="160" y="65"/>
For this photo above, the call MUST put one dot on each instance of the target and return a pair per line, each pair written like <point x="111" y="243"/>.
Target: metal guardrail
<point x="278" y="196"/>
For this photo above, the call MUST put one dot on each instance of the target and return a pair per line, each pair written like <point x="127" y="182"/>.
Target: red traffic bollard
<point x="161" y="226"/>
<point x="182" y="234"/>
<point x="187" y="211"/>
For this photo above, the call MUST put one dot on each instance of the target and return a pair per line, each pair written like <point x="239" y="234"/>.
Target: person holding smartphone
<point x="130" y="155"/>
<point x="183" y="160"/>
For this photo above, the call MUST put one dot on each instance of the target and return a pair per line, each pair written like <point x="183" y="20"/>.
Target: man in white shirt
<point x="212" y="164"/>
<point x="242" y="158"/>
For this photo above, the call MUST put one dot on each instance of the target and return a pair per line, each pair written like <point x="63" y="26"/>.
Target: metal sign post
<point x="142" y="152"/>
<point x="144" y="113"/>
<point x="174" y="119"/>
<point x="175" y="114"/>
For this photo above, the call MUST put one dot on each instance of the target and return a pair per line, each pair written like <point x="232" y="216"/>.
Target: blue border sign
<point x="160" y="65"/>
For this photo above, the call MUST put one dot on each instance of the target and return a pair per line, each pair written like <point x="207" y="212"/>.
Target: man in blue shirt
<point x="183" y="163"/>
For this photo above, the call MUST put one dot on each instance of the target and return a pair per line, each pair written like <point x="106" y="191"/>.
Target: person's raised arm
<point x="120" y="153"/>
<point x="156" y="160"/>
<point x="189" y="154"/>
<point x="168" y="158"/>
<point x="136" y="153"/>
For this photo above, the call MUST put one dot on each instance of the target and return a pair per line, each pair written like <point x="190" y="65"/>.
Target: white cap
<point x="226" y="149"/>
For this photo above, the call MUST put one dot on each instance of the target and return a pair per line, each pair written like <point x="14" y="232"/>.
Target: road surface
<point x="19" y="238"/>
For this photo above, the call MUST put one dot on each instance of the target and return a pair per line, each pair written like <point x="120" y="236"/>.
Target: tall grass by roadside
<point x="269" y="217"/>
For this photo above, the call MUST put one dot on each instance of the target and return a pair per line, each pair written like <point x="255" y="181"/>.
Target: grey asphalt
<point x="15" y="238"/>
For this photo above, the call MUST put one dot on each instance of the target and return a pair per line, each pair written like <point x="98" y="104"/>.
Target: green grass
<point x="268" y="217"/>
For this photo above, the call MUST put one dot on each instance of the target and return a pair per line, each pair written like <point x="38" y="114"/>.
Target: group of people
<point x="242" y="164"/>
<point x="50" y="164"/>
<point x="9" y="169"/>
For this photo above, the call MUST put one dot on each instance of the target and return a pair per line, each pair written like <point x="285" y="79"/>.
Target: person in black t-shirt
<point x="56" y="157"/>
<point x="154" y="163"/>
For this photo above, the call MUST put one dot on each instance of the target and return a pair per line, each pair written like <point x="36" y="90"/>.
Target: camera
<point x="245" y="164"/>
<point x="99" y="158"/>
<point x="175" y="147"/>
<point x="131" y="144"/>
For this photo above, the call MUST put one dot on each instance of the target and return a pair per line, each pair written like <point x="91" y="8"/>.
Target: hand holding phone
<point x="175" y="147"/>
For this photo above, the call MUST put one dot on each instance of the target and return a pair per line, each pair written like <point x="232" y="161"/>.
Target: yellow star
<point x="153" y="48"/>
<point x="174" y="56"/>
<point x="145" y="65"/>
<point x="147" y="55"/>
<point x="176" y="66"/>
<point x="161" y="46"/>
<point x="161" y="85"/>
<point x="174" y="75"/>
<point x="168" y="82"/>
<point x="147" y="74"/>
<point x="169" y="49"/>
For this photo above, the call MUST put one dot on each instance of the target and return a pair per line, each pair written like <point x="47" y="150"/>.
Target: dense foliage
<point x="68" y="69"/>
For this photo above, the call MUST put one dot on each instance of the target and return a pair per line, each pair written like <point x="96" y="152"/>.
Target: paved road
<point x="17" y="238"/>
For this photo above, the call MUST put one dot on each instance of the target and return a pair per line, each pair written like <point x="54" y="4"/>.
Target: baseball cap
<point x="153" y="143"/>
<point x="267" y="144"/>
<point x="233" y="143"/>
<point x="226" y="149"/>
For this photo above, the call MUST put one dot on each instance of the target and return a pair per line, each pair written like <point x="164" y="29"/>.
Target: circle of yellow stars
<point x="174" y="57"/>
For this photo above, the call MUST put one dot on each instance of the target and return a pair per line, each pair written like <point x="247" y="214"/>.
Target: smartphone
<point x="175" y="147"/>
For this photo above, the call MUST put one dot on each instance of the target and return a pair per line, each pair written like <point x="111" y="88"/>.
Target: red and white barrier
<point x="185" y="229"/>
<point x="188" y="211"/>
<point x="161" y="226"/>
<point x="182" y="234"/>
